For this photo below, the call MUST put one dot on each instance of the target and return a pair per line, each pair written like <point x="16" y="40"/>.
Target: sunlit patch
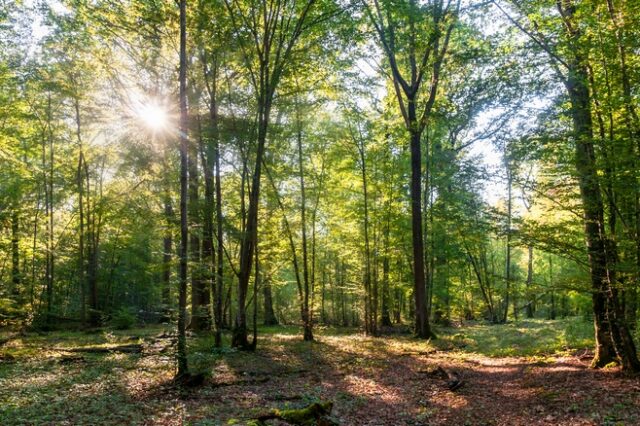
<point x="366" y="387"/>
<point x="154" y="116"/>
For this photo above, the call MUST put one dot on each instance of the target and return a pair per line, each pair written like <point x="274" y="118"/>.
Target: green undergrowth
<point x="529" y="337"/>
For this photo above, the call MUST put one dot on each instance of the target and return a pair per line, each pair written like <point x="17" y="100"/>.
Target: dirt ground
<point x="393" y="385"/>
<point x="371" y="381"/>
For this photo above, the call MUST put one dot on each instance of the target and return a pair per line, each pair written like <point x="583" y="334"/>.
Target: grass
<point x="530" y="337"/>
<point x="38" y="386"/>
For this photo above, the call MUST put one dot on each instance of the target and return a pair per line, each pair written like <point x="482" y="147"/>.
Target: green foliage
<point x="123" y="319"/>
<point x="521" y="338"/>
<point x="9" y="311"/>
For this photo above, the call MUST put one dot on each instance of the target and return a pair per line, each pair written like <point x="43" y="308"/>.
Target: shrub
<point x="123" y="319"/>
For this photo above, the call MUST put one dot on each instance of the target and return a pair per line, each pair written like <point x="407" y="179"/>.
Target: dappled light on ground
<point x="371" y="381"/>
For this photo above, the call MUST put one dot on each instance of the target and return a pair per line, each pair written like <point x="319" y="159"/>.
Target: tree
<point x="181" y="353"/>
<point x="415" y="39"/>
<point x="569" y="57"/>
<point x="274" y="28"/>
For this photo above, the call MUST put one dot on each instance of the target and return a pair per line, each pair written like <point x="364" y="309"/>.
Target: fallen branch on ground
<point x="423" y="353"/>
<point x="68" y="359"/>
<point x="136" y="348"/>
<point x="241" y="382"/>
<point x="316" y="414"/>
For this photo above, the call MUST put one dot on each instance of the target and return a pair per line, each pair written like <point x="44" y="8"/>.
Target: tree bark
<point x="530" y="310"/>
<point x="306" y="314"/>
<point x="199" y="294"/>
<point x="269" y="314"/>
<point x="181" y="353"/>
<point x="385" y="317"/>
<point x="612" y="335"/>
<point x="15" y="253"/>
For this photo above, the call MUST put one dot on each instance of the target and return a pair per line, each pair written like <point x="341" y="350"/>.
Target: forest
<point x="319" y="212"/>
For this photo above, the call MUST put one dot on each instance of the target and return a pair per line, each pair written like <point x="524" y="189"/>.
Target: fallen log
<point x="316" y="414"/>
<point x="133" y="348"/>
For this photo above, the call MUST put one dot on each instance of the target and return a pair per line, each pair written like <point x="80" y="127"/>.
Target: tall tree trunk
<point x="50" y="263"/>
<point x="219" y="256"/>
<point x="181" y="353"/>
<point x="605" y="305"/>
<point x="81" y="261"/>
<point x="422" y="327"/>
<point x="247" y="245"/>
<point x="306" y="314"/>
<point x="368" y="306"/>
<point x="92" y="251"/>
<point x="612" y="334"/>
<point x="199" y="299"/>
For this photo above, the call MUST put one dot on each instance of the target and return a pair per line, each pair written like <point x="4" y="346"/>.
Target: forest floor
<point x="525" y="373"/>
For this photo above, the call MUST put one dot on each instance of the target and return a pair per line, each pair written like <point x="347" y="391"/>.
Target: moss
<point x="306" y="416"/>
<point x="313" y="415"/>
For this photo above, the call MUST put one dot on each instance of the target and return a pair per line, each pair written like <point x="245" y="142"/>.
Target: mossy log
<point x="316" y="414"/>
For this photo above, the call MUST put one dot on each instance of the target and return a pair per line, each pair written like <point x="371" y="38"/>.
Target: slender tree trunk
<point x="385" y="317"/>
<point x="181" y="353"/>
<point x="334" y="293"/>
<point x="530" y="297"/>
<point x="167" y="243"/>
<point x="508" y="261"/>
<point x="219" y="278"/>
<point x="306" y="314"/>
<point x="49" y="211"/>
<point x="323" y="314"/>
<point x="368" y="306"/>
<point x="92" y="251"/>
<point x="199" y="299"/>
<point x="15" y="253"/>
<point x="81" y="262"/>
<point x="256" y="284"/>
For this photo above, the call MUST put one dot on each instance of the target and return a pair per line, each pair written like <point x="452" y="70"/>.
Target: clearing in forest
<point x="525" y="373"/>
